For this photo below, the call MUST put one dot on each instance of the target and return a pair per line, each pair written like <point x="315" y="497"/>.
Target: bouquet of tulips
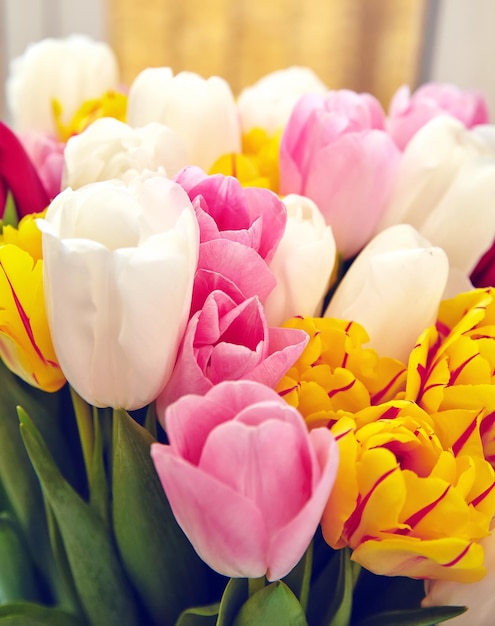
<point x="247" y="350"/>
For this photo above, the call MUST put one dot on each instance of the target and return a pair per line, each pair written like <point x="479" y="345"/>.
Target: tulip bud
<point x="69" y="70"/>
<point x="119" y="264"/>
<point x="246" y="481"/>
<point x="202" y="112"/>
<point x="393" y="289"/>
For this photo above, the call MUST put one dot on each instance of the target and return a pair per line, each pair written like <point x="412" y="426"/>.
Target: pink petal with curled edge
<point x="225" y="528"/>
<point x="269" y="464"/>
<point x="232" y="362"/>
<point x="189" y="420"/>
<point x="289" y="545"/>
<point x="251" y="216"/>
<point x="288" y="345"/>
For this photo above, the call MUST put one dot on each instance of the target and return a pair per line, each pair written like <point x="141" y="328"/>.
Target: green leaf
<point x="275" y="605"/>
<point x="415" y="617"/>
<point x="99" y="495"/>
<point x="299" y="579"/>
<point x="234" y="596"/>
<point x="199" y="616"/>
<point x="27" y="614"/>
<point x="20" y="484"/>
<point x="330" y="598"/>
<point x="17" y="576"/>
<point x="101" y="584"/>
<point x="158" y="558"/>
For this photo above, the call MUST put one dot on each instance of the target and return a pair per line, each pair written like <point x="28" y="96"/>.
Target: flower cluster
<point x="249" y="318"/>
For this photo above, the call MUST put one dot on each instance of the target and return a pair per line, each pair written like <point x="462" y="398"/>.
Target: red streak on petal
<point x="487" y="423"/>
<point x="377" y="397"/>
<point x="459" y="557"/>
<point x="461" y="441"/>
<point x="391" y="413"/>
<point x="341" y="435"/>
<point x="355" y="519"/>
<point x="422" y="513"/>
<point x="346" y="355"/>
<point x="286" y="391"/>
<point x="442" y="328"/>
<point x="455" y="373"/>
<point x="482" y="495"/>
<point x="24" y="318"/>
<point x="334" y="392"/>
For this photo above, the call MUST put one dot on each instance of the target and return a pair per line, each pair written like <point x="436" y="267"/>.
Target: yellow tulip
<point x="404" y="503"/>
<point x="452" y="367"/>
<point x="25" y="342"/>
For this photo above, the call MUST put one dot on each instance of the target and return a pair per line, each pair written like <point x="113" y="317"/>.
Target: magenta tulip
<point x="246" y="481"/>
<point x="19" y="177"/>
<point x="409" y="113"/>
<point x="335" y="151"/>
<point x="251" y="216"/>
<point x="229" y="341"/>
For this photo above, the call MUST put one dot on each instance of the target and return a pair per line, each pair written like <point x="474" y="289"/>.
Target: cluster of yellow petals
<point x="110" y="104"/>
<point x="257" y="165"/>
<point x="414" y="493"/>
<point x="453" y="366"/>
<point x="25" y="341"/>
<point x="335" y="373"/>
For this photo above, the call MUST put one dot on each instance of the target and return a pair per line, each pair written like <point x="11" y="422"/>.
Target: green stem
<point x="308" y="566"/>
<point x="84" y="419"/>
<point x="255" y="585"/>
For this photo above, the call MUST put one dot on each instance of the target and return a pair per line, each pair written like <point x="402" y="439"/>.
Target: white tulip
<point x="393" y="289"/>
<point x="478" y="596"/>
<point x="109" y="149"/>
<point x="119" y="264"/>
<point x="268" y="103"/>
<point x="70" y="70"/>
<point x="302" y="264"/>
<point x="445" y="188"/>
<point x="202" y="112"/>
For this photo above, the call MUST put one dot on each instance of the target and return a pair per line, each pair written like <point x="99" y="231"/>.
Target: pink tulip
<point x="408" y="113"/>
<point x="233" y="268"/>
<point x="246" y="481"/>
<point x="335" y="151"/>
<point x="251" y="216"/>
<point x="229" y="341"/>
<point x="47" y="155"/>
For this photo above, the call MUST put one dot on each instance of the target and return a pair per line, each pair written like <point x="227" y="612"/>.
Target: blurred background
<point x="366" y="45"/>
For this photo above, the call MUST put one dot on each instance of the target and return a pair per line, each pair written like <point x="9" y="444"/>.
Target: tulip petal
<point x="225" y="528"/>
<point x="290" y="543"/>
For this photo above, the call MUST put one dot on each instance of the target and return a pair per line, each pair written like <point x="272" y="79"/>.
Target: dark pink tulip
<point x="18" y="175"/>
<point x="230" y="341"/>
<point x="409" y="113"/>
<point x="246" y="481"/>
<point x="248" y="215"/>
<point x="335" y="150"/>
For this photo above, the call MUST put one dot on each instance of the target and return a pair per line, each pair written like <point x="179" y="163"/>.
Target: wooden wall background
<point x="367" y="45"/>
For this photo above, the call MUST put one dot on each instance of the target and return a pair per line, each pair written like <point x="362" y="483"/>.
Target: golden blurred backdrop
<point x="366" y="45"/>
